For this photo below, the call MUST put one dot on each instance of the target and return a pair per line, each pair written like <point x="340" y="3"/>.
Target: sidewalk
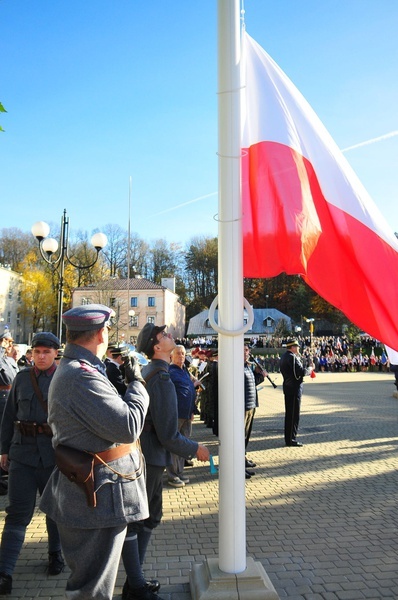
<point x="322" y="519"/>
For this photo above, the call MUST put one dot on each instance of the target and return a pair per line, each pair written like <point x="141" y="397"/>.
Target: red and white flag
<point x="304" y="210"/>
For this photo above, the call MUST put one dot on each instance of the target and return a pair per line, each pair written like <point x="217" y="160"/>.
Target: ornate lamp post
<point x="48" y="248"/>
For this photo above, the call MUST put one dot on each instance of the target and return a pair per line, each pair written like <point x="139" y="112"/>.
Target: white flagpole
<point x="232" y="514"/>
<point x="233" y="574"/>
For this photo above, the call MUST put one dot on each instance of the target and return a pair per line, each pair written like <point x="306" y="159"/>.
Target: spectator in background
<point x="186" y="395"/>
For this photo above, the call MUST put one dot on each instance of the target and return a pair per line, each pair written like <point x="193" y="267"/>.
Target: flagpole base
<point x="208" y="582"/>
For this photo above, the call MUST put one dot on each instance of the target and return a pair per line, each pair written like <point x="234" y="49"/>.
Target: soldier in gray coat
<point x="159" y="439"/>
<point x="87" y="413"/>
<point x="27" y="454"/>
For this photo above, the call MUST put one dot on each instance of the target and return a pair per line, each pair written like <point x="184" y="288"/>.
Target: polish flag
<point x="305" y="211"/>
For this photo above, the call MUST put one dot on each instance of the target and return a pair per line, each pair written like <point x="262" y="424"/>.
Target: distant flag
<point x="304" y="210"/>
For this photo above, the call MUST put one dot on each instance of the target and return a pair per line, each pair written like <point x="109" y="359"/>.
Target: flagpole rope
<point x="242" y="14"/>
<point x="215" y="217"/>
<point x="242" y="87"/>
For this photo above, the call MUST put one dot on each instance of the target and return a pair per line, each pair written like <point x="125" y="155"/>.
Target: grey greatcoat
<point x="87" y="413"/>
<point x="161" y="437"/>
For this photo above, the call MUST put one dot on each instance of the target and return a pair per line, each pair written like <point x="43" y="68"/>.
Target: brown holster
<point x="31" y="429"/>
<point x="78" y="465"/>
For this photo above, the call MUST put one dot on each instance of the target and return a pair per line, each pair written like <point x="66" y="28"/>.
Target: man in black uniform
<point x="293" y="373"/>
<point x="115" y="369"/>
<point x="28" y="456"/>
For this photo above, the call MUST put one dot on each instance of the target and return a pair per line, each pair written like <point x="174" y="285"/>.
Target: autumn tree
<point x="39" y="302"/>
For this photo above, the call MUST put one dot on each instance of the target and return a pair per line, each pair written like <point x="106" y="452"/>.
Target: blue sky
<point x="98" y="91"/>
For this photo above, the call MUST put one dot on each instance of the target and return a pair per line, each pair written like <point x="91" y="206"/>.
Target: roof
<point x="115" y="284"/>
<point x="198" y="325"/>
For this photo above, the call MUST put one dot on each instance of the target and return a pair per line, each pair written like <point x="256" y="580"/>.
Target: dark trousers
<point x="24" y="482"/>
<point x="143" y="529"/>
<point x="292" y="412"/>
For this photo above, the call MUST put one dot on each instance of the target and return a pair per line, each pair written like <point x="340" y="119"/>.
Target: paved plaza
<point x="321" y="519"/>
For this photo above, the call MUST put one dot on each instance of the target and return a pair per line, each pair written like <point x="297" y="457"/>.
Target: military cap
<point x="6" y="335"/>
<point x="292" y="342"/>
<point x="116" y="350"/>
<point x="47" y="339"/>
<point x="87" y="317"/>
<point x="147" y="336"/>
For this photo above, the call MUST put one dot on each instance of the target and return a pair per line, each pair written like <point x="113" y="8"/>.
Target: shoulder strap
<point x="154" y="372"/>
<point x="38" y="391"/>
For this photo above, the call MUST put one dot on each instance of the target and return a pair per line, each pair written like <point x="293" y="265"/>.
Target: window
<point x="151" y="300"/>
<point x="151" y="320"/>
<point x="19" y="296"/>
<point x="134" y="321"/>
<point x="112" y="302"/>
<point x="134" y="302"/>
<point x="18" y="318"/>
<point x="9" y="317"/>
<point x="10" y="294"/>
<point x="86" y="301"/>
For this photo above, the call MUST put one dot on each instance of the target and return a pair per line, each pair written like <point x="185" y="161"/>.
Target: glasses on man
<point x="164" y="334"/>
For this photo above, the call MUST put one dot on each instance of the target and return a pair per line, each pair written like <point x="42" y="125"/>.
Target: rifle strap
<point x="38" y="391"/>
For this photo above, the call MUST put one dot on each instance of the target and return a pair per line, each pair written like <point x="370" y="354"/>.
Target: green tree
<point x="2" y="109"/>
<point x="201" y="271"/>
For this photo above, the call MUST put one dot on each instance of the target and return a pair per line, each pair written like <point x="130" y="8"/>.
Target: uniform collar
<point x="47" y="373"/>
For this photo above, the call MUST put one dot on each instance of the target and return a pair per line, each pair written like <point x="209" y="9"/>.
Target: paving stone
<point x="321" y="519"/>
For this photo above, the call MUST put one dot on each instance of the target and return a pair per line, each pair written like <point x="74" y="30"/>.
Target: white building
<point x="11" y="304"/>
<point x="135" y="301"/>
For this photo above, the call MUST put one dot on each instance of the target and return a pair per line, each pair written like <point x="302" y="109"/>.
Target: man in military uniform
<point x="27" y="454"/>
<point x="86" y="413"/>
<point x="293" y="372"/>
<point x="160" y="438"/>
<point x="7" y="373"/>
<point x="115" y="369"/>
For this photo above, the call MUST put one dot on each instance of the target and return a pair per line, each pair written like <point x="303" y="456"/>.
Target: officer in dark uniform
<point x="7" y="373"/>
<point x="293" y="372"/>
<point x="28" y="456"/>
<point x="7" y="376"/>
<point x="114" y="368"/>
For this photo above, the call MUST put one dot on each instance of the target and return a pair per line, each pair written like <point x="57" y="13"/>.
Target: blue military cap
<point x="47" y="339"/>
<point x="87" y="317"/>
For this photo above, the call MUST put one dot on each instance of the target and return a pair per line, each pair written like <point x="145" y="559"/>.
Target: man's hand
<point x="203" y="453"/>
<point x="132" y="371"/>
<point x="4" y="462"/>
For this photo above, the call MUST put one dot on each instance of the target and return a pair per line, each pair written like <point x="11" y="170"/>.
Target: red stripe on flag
<point x="288" y="226"/>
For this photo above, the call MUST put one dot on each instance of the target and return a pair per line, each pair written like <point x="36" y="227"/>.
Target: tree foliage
<point x="194" y="267"/>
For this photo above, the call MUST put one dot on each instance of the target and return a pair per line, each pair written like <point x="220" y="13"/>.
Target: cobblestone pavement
<point x="322" y="519"/>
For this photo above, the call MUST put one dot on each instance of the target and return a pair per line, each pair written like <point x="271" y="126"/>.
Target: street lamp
<point x="49" y="246"/>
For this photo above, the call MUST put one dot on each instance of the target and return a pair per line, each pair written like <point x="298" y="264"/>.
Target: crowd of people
<point x="94" y="433"/>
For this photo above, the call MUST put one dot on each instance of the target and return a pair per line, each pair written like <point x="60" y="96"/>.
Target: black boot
<point x="153" y="586"/>
<point x="143" y="593"/>
<point x="55" y="563"/>
<point x="5" y="584"/>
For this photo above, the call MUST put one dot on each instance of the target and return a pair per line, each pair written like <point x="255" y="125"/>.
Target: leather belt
<point x="4" y="388"/>
<point x="113" y="453"/>
<point x="31" y="429"/>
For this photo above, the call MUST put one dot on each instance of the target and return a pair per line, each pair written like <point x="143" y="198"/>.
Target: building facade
<point x="11" y="315"/>
<point x="136" y="301"/>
